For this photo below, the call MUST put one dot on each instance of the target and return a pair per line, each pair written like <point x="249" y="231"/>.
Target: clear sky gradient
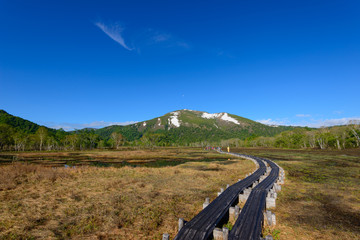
<point x="93" y="63"/>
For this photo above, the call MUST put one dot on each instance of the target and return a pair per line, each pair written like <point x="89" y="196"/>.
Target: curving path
<point x="203" y="224"/>
<point x="249" y="223"/>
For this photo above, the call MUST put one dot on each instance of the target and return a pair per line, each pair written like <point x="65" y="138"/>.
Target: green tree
<point x="6" y="132"/>
<point x="71" y="141"/>
<point x="93" y="139"/>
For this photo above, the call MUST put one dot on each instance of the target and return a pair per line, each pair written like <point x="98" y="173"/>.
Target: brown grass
<point x="38" y="202"/>
<point x="20" y="173"/>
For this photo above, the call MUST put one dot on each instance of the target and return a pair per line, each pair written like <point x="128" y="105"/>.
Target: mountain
<point x="20" y="124"/>
<point x="186" y="126"/>
<point x="179" y="127"/>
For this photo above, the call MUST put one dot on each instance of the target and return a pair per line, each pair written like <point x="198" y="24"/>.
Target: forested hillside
<point x="179" y="128"/>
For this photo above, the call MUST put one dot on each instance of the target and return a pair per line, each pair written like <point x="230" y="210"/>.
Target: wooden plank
<point x="250" y="221"/>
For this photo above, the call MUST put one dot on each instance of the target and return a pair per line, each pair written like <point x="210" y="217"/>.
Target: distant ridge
<point x="186" y="126"/>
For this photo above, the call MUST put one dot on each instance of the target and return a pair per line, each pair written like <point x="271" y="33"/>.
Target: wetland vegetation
<point x="320" y="198"/>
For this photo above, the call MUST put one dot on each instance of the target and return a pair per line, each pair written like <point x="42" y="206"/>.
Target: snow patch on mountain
<point x="174" y="120"/>
<point x="226" y="117"/>
<point x="222" y="116"/>
<point x="211" y="115"/>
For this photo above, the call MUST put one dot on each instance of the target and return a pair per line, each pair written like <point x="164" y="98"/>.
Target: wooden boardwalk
<point x="250" y="221"/>
<point x="203" y="224"/>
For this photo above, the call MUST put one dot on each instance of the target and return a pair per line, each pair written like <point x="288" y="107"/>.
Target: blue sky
<point x="76" y="64"/>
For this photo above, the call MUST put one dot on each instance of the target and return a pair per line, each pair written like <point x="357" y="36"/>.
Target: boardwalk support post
<point x="218" y="234"/>
<point x="237" y="211"/>
<point x="221" y="191"/>
<point x="232" y="214"/>
<point x="225" y="233"/>
<point x="270" y="202"/>
<point x="181" y="223"/>
<point x="273" y="219"/>
<point x="206" y="203"/>
<point x="166" y="236"/>
<point x="270" y="218"/>
<point x="244" y="196"/>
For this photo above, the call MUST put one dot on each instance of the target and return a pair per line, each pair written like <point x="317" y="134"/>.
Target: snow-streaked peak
<point x="222" y="116"/>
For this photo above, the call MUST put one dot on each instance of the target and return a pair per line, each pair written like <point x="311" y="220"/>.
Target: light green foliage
<point x="228" y="226"/>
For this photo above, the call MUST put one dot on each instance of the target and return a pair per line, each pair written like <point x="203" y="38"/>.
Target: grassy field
<point x="138" y="200"/>
<point x="87" y="202"/>
<point x="321" y="195"/>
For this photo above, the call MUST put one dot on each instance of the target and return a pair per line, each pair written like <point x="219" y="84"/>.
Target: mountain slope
<point x="18" y="123"/>
<point x="186" y="126"/>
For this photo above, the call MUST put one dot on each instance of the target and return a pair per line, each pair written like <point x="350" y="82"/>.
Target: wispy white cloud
<point x="114" y="31"/>
<point x="315" y="123"/>
<point x="303" y="115"/>
<point x="96" y="124"/>
<point x="272" y="122"/>
<point x="142" y="39"/>
<point x="161" y="37"/>
<point x="331" y="122"/>
<point x="154" y="37"/>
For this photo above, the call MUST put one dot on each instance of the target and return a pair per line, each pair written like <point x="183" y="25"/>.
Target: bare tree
<point x="41" y="134"/>
<point x="355" y="127"/>
<point x="117" y="139"/>
<point x="19" y="141"/>
<point x="51" y="143"/>
<point x="321" y="138"/>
